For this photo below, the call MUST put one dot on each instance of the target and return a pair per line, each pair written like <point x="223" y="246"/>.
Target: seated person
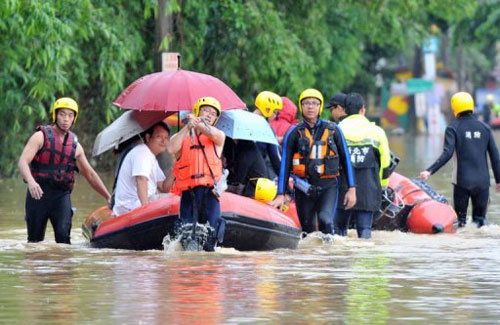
<point x="140" y="176"/>
<point x="245" y="165"/>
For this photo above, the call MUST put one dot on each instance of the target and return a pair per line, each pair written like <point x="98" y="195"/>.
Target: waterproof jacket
<point x="285" y="119"/>
<point x="291" y="147"/>
<point x="469" y="141"/>
<point x="370" y="157"/>
<point x="55" y="162"/>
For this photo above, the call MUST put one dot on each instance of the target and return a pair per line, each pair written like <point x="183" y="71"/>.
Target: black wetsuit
<point x="469" y="141"/>
<point x="247" y="166"/>
<point x="55" y="205"/>
<point x="272" y="158"/>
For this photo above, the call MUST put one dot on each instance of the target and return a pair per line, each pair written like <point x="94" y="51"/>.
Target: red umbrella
<point x="175" y="91"/>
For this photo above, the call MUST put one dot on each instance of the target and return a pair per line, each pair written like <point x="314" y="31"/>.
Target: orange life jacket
<point x="192" y="169"/>
<point x="316" y="155"/>
<point x="55" y="162"/>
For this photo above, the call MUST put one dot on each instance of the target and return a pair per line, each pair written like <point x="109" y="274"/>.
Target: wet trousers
<point x="207" y="206"/>
<point x="364" y="220"/>
<point x="55" y="205"/>
<point x="479" y="197"/>
<point x="317" y="210"/>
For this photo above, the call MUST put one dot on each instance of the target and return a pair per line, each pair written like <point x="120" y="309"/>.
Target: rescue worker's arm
<point x="90" y="174"/>
<point x="385" y="157"/>
<point x="289" y="146"/>
<point x="174" y="146"/>
<point x="448" y="149"/>
<point x="142" y="189"/>
<point x="494" y="159"/>
<point x="216" y="135"/>
<point x="34" y="144"/>
<point x="274" y="155"/>
<point x="345" y="161"/>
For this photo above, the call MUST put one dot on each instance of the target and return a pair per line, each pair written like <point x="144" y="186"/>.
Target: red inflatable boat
<point x="415" y="207"/>
<point x="250" y="225"/>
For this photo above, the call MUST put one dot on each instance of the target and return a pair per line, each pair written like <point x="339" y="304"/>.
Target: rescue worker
<point x="336" y="105"/>
<point x="268" y="104"/>
<point x="314" y="150"/>
<point x="48" y="164"/>
<point x="371" y="158"/>
<point x="488" y="108"/>
<point x="198" y="148"/>
<point x="468" y="141"/>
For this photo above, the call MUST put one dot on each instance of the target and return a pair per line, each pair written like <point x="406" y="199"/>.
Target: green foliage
<point x="80" y="49"/>
<point x="91" y="50"/>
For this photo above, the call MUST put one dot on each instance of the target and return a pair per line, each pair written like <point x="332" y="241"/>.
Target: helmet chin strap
<point x="311" y="121"/>
<point x="59" y="128"/>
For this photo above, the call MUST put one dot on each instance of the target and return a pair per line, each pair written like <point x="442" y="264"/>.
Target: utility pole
<point x="163" y="29"/>
<point x="461" y="67"/>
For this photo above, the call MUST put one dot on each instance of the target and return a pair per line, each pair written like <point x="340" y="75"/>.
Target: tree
<point x="72" y="48"/>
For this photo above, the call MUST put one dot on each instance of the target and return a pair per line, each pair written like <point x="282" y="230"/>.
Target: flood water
<point x="393" y="278"/>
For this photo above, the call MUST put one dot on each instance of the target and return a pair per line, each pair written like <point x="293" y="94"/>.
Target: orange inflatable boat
<point x="415" y="207"/>
<point x="250" y="225"/>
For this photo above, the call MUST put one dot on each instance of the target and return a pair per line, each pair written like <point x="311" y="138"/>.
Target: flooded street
<point x="393" y="278"/>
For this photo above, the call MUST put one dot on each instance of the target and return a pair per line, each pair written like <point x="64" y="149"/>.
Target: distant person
<point x="268" y="104"/>
<point x="198" y="148"/>
<point x="370" y="158"/>
<point x="488" y="108"/>
<point x="284" y="119"/>
<point x="314" y="151"/>
<point x="336" y="105"/>
<point x="468" y="141"/>
<point x="48" y="164"/>
<point x="140" y="176"/>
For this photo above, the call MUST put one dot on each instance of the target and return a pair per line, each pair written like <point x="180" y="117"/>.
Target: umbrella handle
<point x="191" y="133"/>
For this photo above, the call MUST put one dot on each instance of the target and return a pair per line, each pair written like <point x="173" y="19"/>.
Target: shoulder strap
<point x="52" y="140"/>
<point x="206" y="159"/>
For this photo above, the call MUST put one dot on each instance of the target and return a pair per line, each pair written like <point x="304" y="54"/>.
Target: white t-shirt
<point x="140" y="161"/>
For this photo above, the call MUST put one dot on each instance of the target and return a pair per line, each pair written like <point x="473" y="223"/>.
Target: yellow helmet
<point x="267" y="102"/>
<point x="311" y="92"/>
<point x="207" y="101"/>
<point x="64" y="102"/>
<point x="265" y="190"/>
<point x="462" y="102"/>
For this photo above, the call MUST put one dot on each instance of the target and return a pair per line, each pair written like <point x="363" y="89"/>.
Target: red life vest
<point x="55" y="162"/>
<point x="192" y="169"/>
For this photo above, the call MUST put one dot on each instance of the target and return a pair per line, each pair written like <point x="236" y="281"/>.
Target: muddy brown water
<point x="393" y="278"/>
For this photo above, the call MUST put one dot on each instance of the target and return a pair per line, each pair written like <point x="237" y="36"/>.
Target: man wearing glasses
<point x="315" y="151"/>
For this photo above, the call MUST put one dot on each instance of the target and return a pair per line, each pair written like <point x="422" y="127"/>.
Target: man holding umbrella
<point x="198" y="149"/>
